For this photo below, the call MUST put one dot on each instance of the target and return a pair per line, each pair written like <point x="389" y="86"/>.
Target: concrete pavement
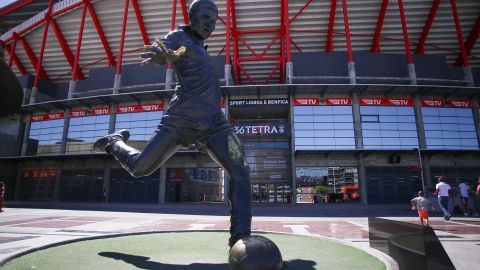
<point x="23" y="227"/>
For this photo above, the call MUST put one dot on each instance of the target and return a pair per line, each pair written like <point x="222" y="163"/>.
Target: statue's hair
<point x="196" y="4"/>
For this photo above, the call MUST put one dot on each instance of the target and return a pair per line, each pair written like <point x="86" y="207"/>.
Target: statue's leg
<point x="225" y="148"/>
<point x="157" y="150"/>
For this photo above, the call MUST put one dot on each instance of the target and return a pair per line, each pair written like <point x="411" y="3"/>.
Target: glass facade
<point x="327" y="184"/>
<point x="141" y="125"/>
<point x="45" y="137"/>
<point x="195" y="185"/>
<point x="392" y="184"/>
<point x="449" y="128"/>
<point x="323" y="127"/>
<point x="84" y="131"/>
<point x="388" y="127"/>
<point x="81" y="185"/>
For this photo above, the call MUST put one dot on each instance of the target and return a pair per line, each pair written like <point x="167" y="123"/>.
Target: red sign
<point x="386" y="101"/>
<point x="45" y="117"/>
<point x="78" y="113"/>
<point x="306" y="101"/>
<point x="101" y="111"/>
<point x="140" y="108"/>
<point x="432" y="103"/>
<point x="338" y="101"/>
<point x="176" y="174"/>
<point x="222" y="103"/>
<point x="459" y="104"/>
<point x="39" y="173"/>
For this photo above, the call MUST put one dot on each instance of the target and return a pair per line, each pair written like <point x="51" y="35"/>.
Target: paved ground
<point x="24" y="226"/>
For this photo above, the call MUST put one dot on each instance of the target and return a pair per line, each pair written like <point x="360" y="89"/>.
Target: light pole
<point x="419" y="154"/>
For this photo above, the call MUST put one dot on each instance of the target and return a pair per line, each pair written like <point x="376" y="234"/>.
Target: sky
<point x="6" y="2"/>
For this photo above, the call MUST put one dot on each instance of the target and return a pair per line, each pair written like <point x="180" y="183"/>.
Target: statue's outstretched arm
<point x="160" y="54"/>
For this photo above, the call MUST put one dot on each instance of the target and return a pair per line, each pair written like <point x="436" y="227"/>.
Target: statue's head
<point x="202" y="16"/>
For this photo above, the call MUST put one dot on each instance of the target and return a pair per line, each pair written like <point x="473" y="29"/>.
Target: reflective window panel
<point x="45" y="137"/>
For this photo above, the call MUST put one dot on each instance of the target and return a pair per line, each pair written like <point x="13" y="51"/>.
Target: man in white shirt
<point x="442" y="191"/>
<point x="464" y="193"/>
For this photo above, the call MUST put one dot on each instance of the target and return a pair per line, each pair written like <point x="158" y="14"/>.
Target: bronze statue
<point x="193" y="117"/>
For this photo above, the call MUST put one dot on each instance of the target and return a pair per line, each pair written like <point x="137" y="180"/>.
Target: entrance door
<point x="174" y="192"/>
<point x="126" y="188"/>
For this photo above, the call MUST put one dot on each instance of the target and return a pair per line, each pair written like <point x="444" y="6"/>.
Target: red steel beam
<point x="375" y="47"/>
<point x="12" y="52"/>
<point x="44" y="40"/>
<point x="331" y="22"/>
<point x="300" y="11"/>
<point x="184" y="12"/>
<point x="463" y="51"/>
<point x="426" y="28"/>
<point x="227" y="34"/>
<point x="236" y="62"/>
<point x="106" y="46"/>
<point x="472" y="38"/>
<point x="122" y="38"/>
<point x="347" y="31"/>
<point x="173" y="22"/>
<point x="65" y="48"/>
<point x="281" y="62"/>
<point x="15" y="6"/>
<point x="17" y="62"/>
<point x="33" y="58"/>
<point x="79" y="44"/>
<point x="287" y="30"/>
<point x="141" y="24"/>
<point x="405" y="32"/>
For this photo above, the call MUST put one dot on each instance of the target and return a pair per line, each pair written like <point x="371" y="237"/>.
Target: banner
<point x="386" y="102"/>
<point x="39" y="173"/>
<point x="338" y="101"/>
<point x="306" y="101"/>
<point x="140" y="108"/>
<point x="459" y="104"/>
<point x="261" y="128"/>
<point x="78" y="113"/>
<point x="46" y="117"/>
<point x="433" y="103"/>
<point x="101" y="111"/>
<point x="258" y="102"/>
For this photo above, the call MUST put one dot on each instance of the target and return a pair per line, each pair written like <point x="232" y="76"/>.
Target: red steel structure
<point x="239" y="37"/>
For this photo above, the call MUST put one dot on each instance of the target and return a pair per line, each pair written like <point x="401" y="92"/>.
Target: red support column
<point x="411" y="67"/>
<point x="184" y="11"/>
<point x="287" y="29"/>
<point x="17" y="62"/>
<point x="12" y="50"/>
<point x="459" y="33"/>
<point x="236" y="56"/>
<point x="331" y="22"/>
<point x="227" y="34"/>
<point x="79" y="43"/>
<point x="42" y="46"/>
<point x="426" y="29"/>
<point x="122" y="38"/>
<point x="65" y="48"/>
<point x="141" y="24"/>
<point x="375" y="47"/>
<point x="96" y="22"/>
<point x="281" y="63"/>
<point x="472" y="38"/>
<point x="405" y="32"/>
<point x="33" y="58"/>
<point x="347" y="30"/>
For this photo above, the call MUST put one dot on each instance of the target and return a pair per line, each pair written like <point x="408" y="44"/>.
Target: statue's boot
<point x="105" y="143"/>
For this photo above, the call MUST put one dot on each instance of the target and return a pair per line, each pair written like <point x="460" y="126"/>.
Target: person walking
<point x="477" y="199"/>
<point x="464" y="193"/>
<point x="443" y="194"/>
<point x="422" y="205"/>
<point x="2" y="193"/>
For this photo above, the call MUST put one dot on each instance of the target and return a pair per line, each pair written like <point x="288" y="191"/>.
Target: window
<point x="45" y="137"/>
<point x="84" y="131"/>
<point x="142" y="126"/>
<point x="388" y="127"/>
<point x="323" y="127"/>
<point x="449" y="128"/>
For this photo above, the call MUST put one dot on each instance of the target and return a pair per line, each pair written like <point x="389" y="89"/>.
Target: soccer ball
<point x="255" y="253"/>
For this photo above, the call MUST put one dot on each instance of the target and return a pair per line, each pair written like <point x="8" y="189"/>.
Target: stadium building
<point x="333" y="100"/>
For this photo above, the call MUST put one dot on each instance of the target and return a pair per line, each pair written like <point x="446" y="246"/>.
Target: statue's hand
<point x="160" y="54"/>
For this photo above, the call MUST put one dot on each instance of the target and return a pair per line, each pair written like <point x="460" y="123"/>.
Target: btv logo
<point x="399" y="102"/>
<point x="372" y="101"/>
<point x="460" y="104"/>
<point x="127" y="109"/>
<point x="307" y="101"/>
<point x="38" y="117"/>
<point x="433" y="103"/>
<point x="152" y="107"/>
<point x="78" y="113"/>
<point x="339" y="101"/>
<point x="101" y="111"/>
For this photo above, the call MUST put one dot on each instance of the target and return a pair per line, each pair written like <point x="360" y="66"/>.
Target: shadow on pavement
<point x="411" y="245"/>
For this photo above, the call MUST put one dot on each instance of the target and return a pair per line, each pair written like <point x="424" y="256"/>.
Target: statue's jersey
<point x="195" y="108"/>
